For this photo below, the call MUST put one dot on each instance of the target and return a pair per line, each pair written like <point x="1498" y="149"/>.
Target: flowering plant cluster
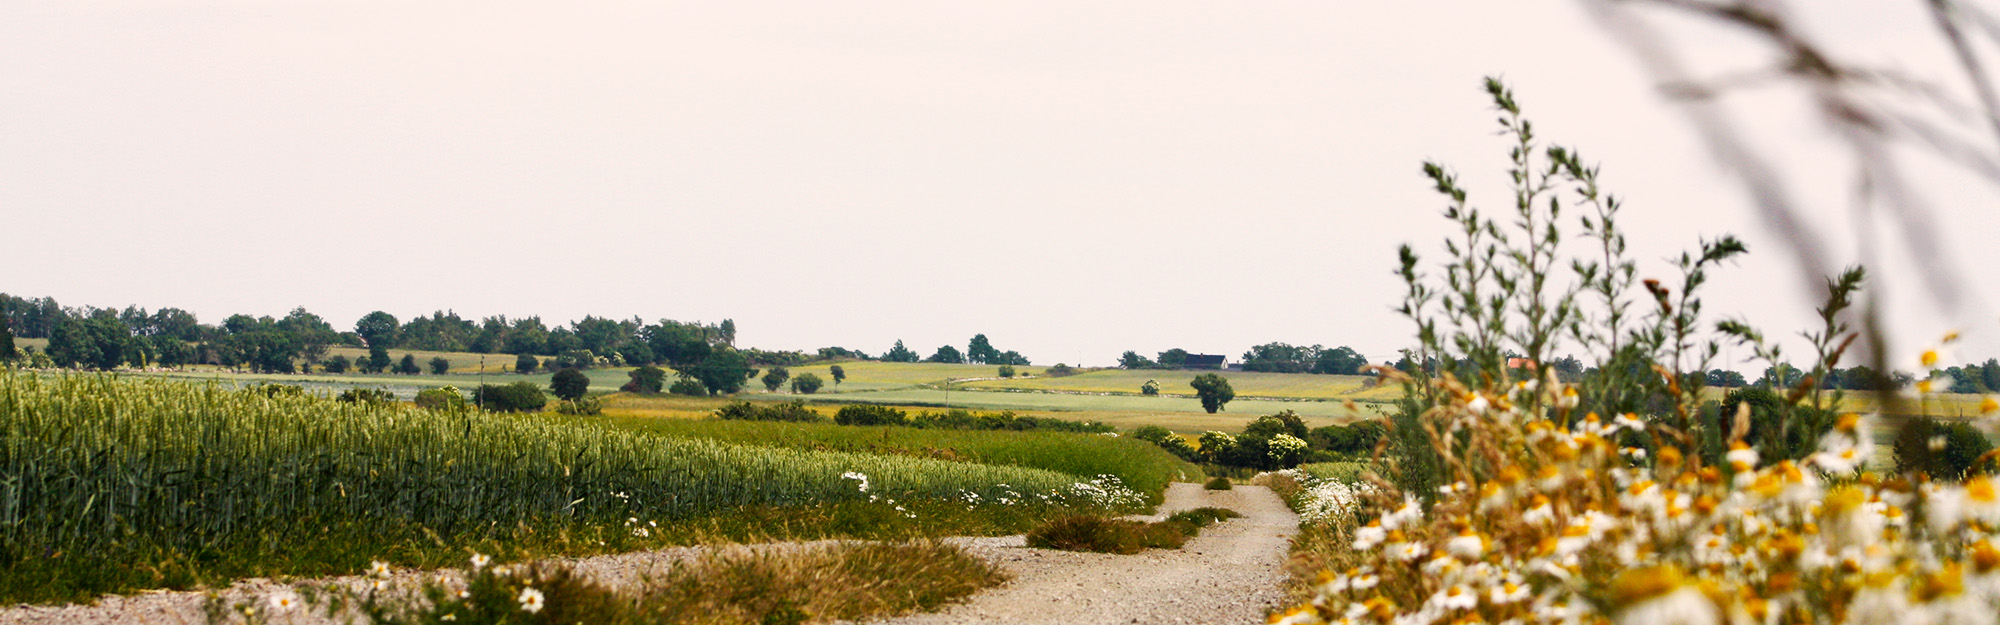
<point x="1319" y="501"/>
<point x="1547" y="523"/>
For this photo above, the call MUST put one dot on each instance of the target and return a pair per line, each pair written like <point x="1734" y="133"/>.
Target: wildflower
<point x="378" y="568"/>
<point x="1539" y="511"/>
<point x="284" y="601"/>
<point x="1469" y="545"/>
<point x="1410" y="512"/>
<point x="1478" y="404"/>
<point x="479" y="561"/>
<point x="1508" y="592"/>
<point x="1661" y="596"/>
<point x="1302" y="615"/>
<point x="379" y="585"/>
<point x="531" y="600"/>
<point x="860" y="479"/>
<point x="641" y="532"/>
<point x="1368" y="536"/>
<point x="1455" y="597"/>
<point x="1741" y="457"/>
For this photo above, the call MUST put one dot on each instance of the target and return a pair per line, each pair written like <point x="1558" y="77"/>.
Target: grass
<point x="818" y="583"/>
<point x="1093" y="533"/>
<point x="1141" y="465"/>
<point x="1329" y="411"/>
<point x="116" y="484"/>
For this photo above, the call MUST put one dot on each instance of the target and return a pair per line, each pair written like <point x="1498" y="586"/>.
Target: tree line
<point x="1269" y="357"/>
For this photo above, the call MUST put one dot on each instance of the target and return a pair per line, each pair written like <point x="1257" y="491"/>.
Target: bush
<point x="1101" y="535"/>
<point x="336" y="364"/>
<point x="1204" y="516"/>
<point x="581" y="407"/>
<point x="862" y="414"/>
<point x="688" y="386"/>
<point x="440" y="365"/>
<point x="408" y="365"/>
<point x="1218" y="483"/>
<point x="569" y="384"/>
<point x="793" y="411"/>
<point x="966" y="420"/>
<point x="647" y="380"/>
<point x="516" y="397"/>
<point x="1944" y="451"/>
<point x="526" y="363"/>
<point x="1151" y="387"/>
<point x="775" y="378"/>
<point x="272" y="389"/>
<point x="366" y="396"/>
<point x="1006" y="371"/>
<point x="1151" y="433"/>
<point x="441" y="398"/>
<point x="807" y="384"/>
<point x="1060" y="370"/>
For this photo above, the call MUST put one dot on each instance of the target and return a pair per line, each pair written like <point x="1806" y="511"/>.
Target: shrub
<point x="441" y="398"/>
<point x="1204" y="516"/>
<point x="648" y="379"/>
<point x="1151" y="387"/>
<point x="1218" y="483"/>
<point x="408" y="365"/>
<point x="688" y="386"/>
<point x="272" y="389"/>
<point x="1944" y="451"/>
<point x="569" y="384"/>
<point x="806" y="384"/>
<point x="1151" y="434"/>
<point x="1085" y="532"/>
<point x="366" y="396"/>
<point x="864" y="414"/>
<point x="581" y="407"/>
<point x="526" y="363"/>
<point x="793" y="411"/>
<point x="1006" y="371"/>
<point x="1059" y="370"/>
<point x="1213" y="390"/>
<point x="440" y="365"/>
<point x="775" y="378"/>
<point x="516" y="397"/>
<point x="336" y="364"/>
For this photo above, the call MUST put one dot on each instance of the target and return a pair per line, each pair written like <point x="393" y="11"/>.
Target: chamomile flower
<point x="284" y="601"/>
<point x="378" y="568"/>
<point x="530" y="599"/>
<point x="480" y="560"/>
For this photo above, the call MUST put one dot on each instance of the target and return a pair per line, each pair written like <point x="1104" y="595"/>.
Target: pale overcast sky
<point x="1073" y="179"/>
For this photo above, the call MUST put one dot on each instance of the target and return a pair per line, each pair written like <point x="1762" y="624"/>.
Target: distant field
<point x="1246" y="384"/>
<point x="680" y="407"/>
<point x="461" y="362"/>
<point x="869" y="376"/>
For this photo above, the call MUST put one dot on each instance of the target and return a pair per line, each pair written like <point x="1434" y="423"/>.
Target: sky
<point x="1071" y="179"/>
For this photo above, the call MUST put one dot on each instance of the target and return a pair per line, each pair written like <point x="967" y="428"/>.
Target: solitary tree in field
<point x="440" y="365"/>
<point x="839" y="375"/>
<point x="378" y="359"/>
<point x="409" y="365"/>
<point x="775" y="378"/>
<point x="1213" y="390"/>
<point x="1151" y="387"/>
<point x="806" y="384"/>
<point x="526" y="363"/>
<point x="569" y="384"/>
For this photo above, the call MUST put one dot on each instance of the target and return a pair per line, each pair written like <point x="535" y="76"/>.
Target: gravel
<point x="1231" y="573"/>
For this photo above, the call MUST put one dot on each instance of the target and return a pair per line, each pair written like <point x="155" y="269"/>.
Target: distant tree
<point x="440" y="365"/>
<point x="869" y="414"/>
<point x="526" y="363"/>
<point x="336" y="364"/>
<point x="946" y="354"/>
<point x="1151" y="387"/>
<point x="378" y="328"/>
<point x="1172" y="359"/>
<point x="981" y="351"/>
<point x="722" y="372"/>
<point x="806" y="384"/>
<point x="1278" y="357"/>
<point x="637" y="353"/>
<point x="408" y="365"/>
<point x="569" y="384"/>
<point x="839" y="375"/>
<point x="1012" y="358"/>
<point x="1213" y="390"/>
<point x="7" y="351"/>
<point x="1060" y="370"/>
<point x="648" y="379"/>
<point x="1723" y="378"/>
<point x="727" y="332"/>
<point x="97" y="342"/>
<point x="366" y="396"/>
<point x="378" y="359"/>
<point x="900" y="353"/>
<point x="1341" y="360"/>
<point x="1006" y="371"/>
<point x="775" y="378"/>
<point x="1132" y="360"/>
